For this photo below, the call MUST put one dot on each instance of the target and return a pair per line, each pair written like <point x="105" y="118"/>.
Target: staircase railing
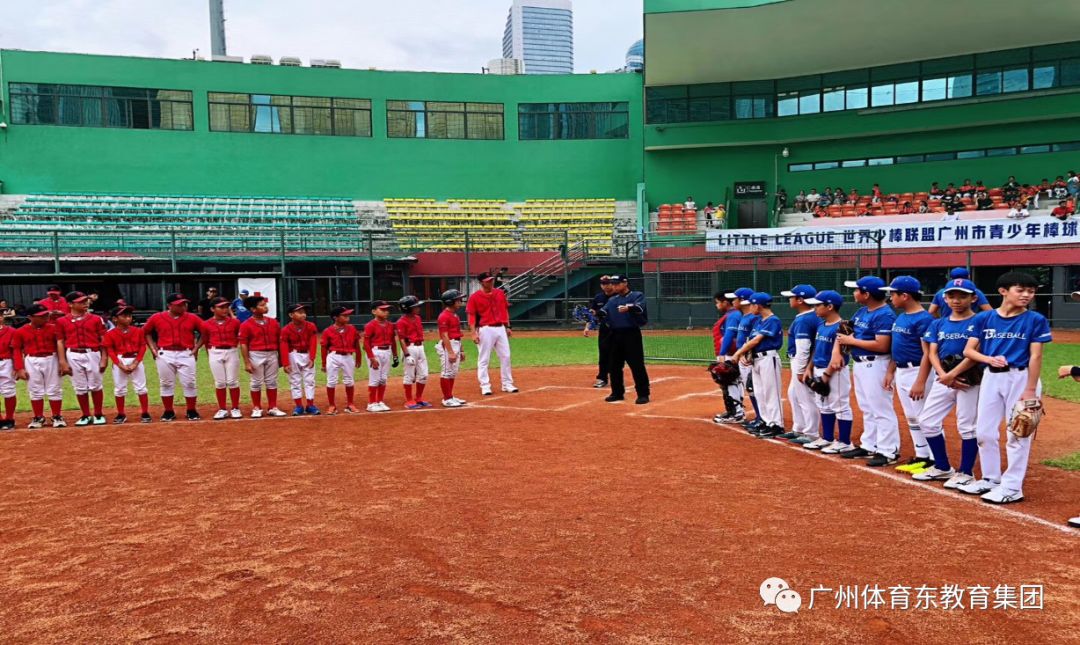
<point x="553" y="267"/>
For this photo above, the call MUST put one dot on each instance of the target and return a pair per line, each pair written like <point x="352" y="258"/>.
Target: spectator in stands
<point x="1062" y="211"/>
<point x="812" y="199"/>
<point x="1061" y="188"/>
<point x="781" y="199"/>
<point x="967" y="191"/>
<point x="1011" y="190"/>
<point x="875" y="194"/>
<point x="951" y="210"/>
<point x="983" y="201"/>
<point x="720" y="217"/>
<point x="923" y="207"/>
<point x="951" y="196"/>
<point x="6" y="312"/>
<point x="1046" y="189"/>
<point x="853" y="197"/>
<point x="206" y="310"/>
<point x="826" y="197"/>
<point x="864" y="211"/>
<point x="821" y="211"/>
<point x="1072" y="187"/>
<point x="800" y="202"/>
<point x="839" y="196"/>
<point x="935" y="191"/>
<point x="1030" y="195"/>
<point x="689" y="204"/>
<point x="708" y="212"/>
<point x="239" y="310"/>
<point x="907" y="209"/>
<point x="893" y="199"/>
<point x="980" y="186"/>
<point x="1017" y="210"/>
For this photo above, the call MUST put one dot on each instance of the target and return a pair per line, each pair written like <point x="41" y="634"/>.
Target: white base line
<point x="922" y="486"/>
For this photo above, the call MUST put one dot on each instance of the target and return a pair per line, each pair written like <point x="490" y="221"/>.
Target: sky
<point x="427" y="35"/>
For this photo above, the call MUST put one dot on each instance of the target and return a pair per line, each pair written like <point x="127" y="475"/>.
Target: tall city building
<point x="635" y="57"/>
<point x="541" y="34"/>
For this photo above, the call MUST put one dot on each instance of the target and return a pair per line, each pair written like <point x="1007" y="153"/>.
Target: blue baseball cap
<point x="960" y="284"/>
<point x="827" y="298"/>
<point x="959" y="273"/>
<point x="870" y="284"/>
<point x="759" y="298"/>
<point x="904" y="284"/>
<point x="741" y="294"/>
<point x="800" y="291"/>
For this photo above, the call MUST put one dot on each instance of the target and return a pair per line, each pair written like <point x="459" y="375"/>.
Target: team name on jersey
<point x="954" y="335"/>
<point x="902" y="330"/>
<point x="990" y="333"/>
<point x="824" y="338"/>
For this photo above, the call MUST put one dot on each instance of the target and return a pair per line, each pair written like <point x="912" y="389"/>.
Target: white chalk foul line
<point x="922" y="486"/>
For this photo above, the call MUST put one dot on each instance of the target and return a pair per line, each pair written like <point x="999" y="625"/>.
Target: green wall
<point x="70" y="159"/>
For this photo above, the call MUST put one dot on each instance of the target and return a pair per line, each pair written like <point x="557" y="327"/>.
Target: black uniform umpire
<point x="603" y="331"/>
<point x="626" y="315"/>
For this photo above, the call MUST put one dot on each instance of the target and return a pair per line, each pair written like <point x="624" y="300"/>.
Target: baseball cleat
<point x="193" y="415"/>
<point x="856" y="453"/>
<point x="611" y="398"/>
<point x="298" y="411"/>
<point x="958" y="480"/>
<point x="803" y="440"/>
<point x="915" y="464"/>
<point x="413" y="405"/>
<point x="100" y="420"/>
<point x="789" y="436"/>
<point x="933" y="473"/>
<point x="256" y="413"/>
<point x="1075" y="522"/>
<point x="168" y="415"/>
<point x="383" y="407"/>
<point x="977" y="487"/>
<point x="58" y="422"/>
<point x="145" y="417"/>
<point x="879" y="461"/>
<point x="120" y="419"/>
<point x="7" y="424"/>
<point x="485" y="391"/>
<point x="769" y="432"/>
<point x="352" y="409"/>
<point x="599" y="384"/>
<point x="818" y="444"/>
<point x="36" y="422"/>
<point x="221" y="414"/>
<point x="84" y="421"/>
<point x="511" y="390"/>
<point x="312" y="410"/>
<point x="836" y="448"/>
<point x="451" y="403"/>
<point x="1000" y="495"/>
<point x="331" y="410"/>
<point x="424" y="404"/>
<point x="274" y="412"/>
<point x="460" y="401"/>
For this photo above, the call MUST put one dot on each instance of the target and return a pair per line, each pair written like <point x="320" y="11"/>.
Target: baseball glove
<point x="1026" y="416"/>
<point x="581" y="313"/>
<point x="818" y="386"/>
<point x="971" y="377"/>
<point x="846" y="328"/>
<point x="724" y="373"/>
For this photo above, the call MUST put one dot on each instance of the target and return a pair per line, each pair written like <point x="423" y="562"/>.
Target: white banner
<point x="266" y="287"/>
<point x="864" y="234"/>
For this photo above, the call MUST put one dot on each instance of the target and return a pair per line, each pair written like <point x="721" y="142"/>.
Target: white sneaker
<point x="510" y="390"/>
<point x="1001" y="495"/>
<point x="818" y="444"/>
<point x="933" y="473"/>
<point x="383" y="407"/>
<point x="221" y="414"/>
<point x="274" y="412"/>
<point x="1075" y="522"/>
<point x="485" y="391"/>
<point x="450" y="403"/>
<point x="373" y="407"/>
<point x="958" y="480"/>
<point x="977" y="487"/>
<point x="256" y="413"/>
<point x="836" y="447"/>
<point x="460" y="401"/>
<point x="236" y="414"/>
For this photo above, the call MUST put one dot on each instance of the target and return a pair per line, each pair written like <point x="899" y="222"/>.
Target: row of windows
<point x="1039" y="148"/>
<point x="958" y="77"/>
<point x="92" y="106"/>
<point x="101" y="107"/>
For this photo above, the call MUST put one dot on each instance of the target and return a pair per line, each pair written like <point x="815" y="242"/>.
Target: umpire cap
<point x="451" y="296"/>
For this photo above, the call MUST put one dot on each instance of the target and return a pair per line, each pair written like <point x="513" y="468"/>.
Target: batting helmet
<point x="408" y="302"/>
<point x="450" y="296"/>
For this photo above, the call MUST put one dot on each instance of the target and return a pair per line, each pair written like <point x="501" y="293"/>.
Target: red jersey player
<point x="38" y="361"/>
<point x="171" y="335"/>
<point x="451" y="355"/>
<point x="379" y="347"/>
<point x="299" y="347"/>
<point x="81" y="333"/>
<point x="410" y="333"/>
<point x="220" y="335"/>
<point x="125" y="345"/>
<point x="340" y="358"/>
<point x="260" y="343"/>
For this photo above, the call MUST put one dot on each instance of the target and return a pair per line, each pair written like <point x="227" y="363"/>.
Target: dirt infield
<point x="543" y="515"/>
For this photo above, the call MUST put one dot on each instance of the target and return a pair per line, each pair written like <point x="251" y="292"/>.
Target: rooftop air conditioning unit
<point x="332" y="62"/>
<point x="319" y="62"/>
<point x="227" y="59"/>
<point x="261" y="59"/>
<point x="289" y="61"/>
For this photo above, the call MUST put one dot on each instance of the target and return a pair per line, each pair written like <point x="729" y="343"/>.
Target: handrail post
<point x="371" y="265"/>
<point x="56" y="252"/>
<point x="172" y="250"/>
<point x="468" y="270"/>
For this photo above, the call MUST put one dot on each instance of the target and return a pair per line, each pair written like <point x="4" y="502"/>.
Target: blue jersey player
<point x="746" y="326"/>
<point x="833" y="369"/>
<point x="805" y="418"/>
<point x="763" y="351"/>
<point x="733" y="395"/>
<point x="939" y="306"/>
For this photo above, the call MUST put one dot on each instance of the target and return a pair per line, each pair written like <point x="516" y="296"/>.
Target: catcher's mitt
<point x="818" y="386"/>
<point x="972" y="376"/>
<point x="1026" y="416"/>
<point x="846" y="328"/>
<point x="581" y="313"/>
<point x="724" y="373"/>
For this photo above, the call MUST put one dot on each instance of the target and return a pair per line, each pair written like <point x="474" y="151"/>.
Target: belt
<point x="299" y="351"/>
<point x="175" y="348"/>
<point x="382" y="347"/>
<point x="131" y="355"/>
<point x="865" y="359"/>
<point x="1002" y="370"/>
<point x="765" y="354"/>
<point x="455" y="337"/>
<point x="223" y="347"/>
<point x="494" y="325"/>
<point x="42" y="355"/>
<point x="907" y="365"/>
<point x="420" y="344"/>
<point x="80" y="350"/>
<point x="341" y="353"/>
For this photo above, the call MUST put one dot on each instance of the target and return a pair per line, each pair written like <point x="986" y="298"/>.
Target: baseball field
<point x="542" y="515"/>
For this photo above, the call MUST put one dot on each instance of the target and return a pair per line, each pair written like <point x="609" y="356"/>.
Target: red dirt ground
<point x="540" y="516"/>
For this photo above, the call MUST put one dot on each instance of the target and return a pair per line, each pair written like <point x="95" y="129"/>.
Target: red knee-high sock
<point x="98" y="397"/>
<point x="39" y="408"/>
<point x="444" y="385"/>
<point x="192" y="402"/>
<point x="120" y="405"/>
<point x="298" y="403"/>
<point x="330" y="396"/>
<point x="234" y="394"/>
<point x="84" y="404"/>
<point x="9" y="407"/>
<point x="373" y="394"/>
<point x="420" y="391"/>
<point x="382" y="393"/>
<point x="167" y="402"/>
<point x="55" y="405"/>
<point x="408" y="392"/>
<point x="144" y="403"/>
<point x="450" y="387"/>
<point x="350" y="394"/>
<point x="220" y="392"/>
<point x="256" y="398"/>
<point x="271" y="398"/>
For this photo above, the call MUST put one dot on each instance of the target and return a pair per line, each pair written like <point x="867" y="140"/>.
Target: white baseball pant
<point x="881" y="430"/>
<point x="940" y="401"/>
<point x="744" y="383"/>
<point x="225" y="366"/>
<point x="448" y="369"/>
<point x="85" y="371"/>
<point x="301" y="376"/>
<point x="43" y="380"/>
<point x="839" y="400"/>
<point x="417" y="372"/>
<point x="266" y="366"/>
<point x="180" y="364"/>
<point x="805" y="418"/>
<point x="997" y="396"/>
<point x="7" y="378"/>
<point x="905" y="379"/>
<point x="494" y="338"/>
<point x="340" y="367"/>
<point x="377" y="377"/>
<point x="121" y="378"/>
<point x="767" y="372"/>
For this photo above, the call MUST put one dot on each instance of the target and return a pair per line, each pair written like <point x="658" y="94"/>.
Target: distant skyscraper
<point x="541" y="33"/>
<point x="635" y="57"/>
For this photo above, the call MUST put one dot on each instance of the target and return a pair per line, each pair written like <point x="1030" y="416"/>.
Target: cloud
<point x="428" y="35"/>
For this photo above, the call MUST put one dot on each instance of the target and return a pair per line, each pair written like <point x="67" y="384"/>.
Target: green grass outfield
<point x="538" y="351"/>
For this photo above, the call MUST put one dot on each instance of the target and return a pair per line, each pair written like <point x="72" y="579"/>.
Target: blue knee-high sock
<point x="828" y="426"/>
<point x="845" y="431"/>
<point x="969" y="452"/>
<point x="753" y="402"/>
<point x="937" y="448"/>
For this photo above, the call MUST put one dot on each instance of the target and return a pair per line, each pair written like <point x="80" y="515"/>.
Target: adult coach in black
<point x="626" y="315"/>
<point x="603" y="331"/>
